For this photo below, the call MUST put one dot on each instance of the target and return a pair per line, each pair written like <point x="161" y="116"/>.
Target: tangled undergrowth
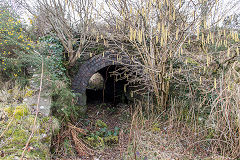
<point x="189" y="69"/>
<point x="175" y="134"/>
<point x="99" y="134"/>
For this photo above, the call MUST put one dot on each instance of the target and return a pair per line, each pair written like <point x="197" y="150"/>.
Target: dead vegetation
<point x="184" y="63"/>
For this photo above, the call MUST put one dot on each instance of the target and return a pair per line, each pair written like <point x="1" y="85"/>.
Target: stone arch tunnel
<point x="103" y="64"/>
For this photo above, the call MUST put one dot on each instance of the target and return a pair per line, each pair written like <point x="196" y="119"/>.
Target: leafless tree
<point x="71" y="20"/>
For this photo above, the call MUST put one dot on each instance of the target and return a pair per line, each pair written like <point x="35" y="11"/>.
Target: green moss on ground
<point x="95" y="141"/>
<point x="18" y="112"/>
<point x="16" y="136"/>
<point x="110" y="140"/>
<point x="101" y="124"/>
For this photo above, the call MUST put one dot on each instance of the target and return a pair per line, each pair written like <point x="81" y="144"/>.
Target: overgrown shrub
<point x="51" y="48"/>
<point x="63" y="102"/>
<point x="14" y="43"/>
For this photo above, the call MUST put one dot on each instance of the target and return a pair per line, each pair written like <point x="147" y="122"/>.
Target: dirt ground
<point x="114" y="116"/>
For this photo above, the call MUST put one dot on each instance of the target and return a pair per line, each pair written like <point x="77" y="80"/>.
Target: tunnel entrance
<point x="103" y="64"/>
<point x="105" y="87"/>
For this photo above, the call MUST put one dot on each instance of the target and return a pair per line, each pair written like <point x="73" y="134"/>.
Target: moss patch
<point x="19" y="111"/>
<point x="101" y="124"/>
<point x="95" y="141"/>
<point x="29" y="93"/>
<point x="109" y="140"/>
<point x="15" y="138"/>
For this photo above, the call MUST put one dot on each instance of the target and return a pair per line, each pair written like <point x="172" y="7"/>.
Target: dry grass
<point x="206" y="130"/>
<point x="80" y="146"/>
<point x="12" y="95"/>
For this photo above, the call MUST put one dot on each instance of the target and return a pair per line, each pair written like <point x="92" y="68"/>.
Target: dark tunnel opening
<point x="103" y="87"/>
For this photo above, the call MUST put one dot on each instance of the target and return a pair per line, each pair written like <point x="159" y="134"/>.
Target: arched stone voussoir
<point x="90" y="67"/>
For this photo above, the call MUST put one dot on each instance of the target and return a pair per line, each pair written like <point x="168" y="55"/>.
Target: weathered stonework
<point x="90" y="67"/>
<point x="16" y="121"/>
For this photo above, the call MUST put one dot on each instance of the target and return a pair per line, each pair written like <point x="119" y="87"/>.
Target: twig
<point x="82" y="149"/>
<point x="7" y="126"/>
<point x="34" y="123"/>
<point x="76" y="128"/>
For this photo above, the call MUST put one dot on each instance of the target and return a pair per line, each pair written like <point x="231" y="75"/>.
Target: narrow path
<point x="114" y="117"/>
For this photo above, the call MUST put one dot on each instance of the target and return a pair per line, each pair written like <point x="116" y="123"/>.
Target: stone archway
<point x="90" y="67"/>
